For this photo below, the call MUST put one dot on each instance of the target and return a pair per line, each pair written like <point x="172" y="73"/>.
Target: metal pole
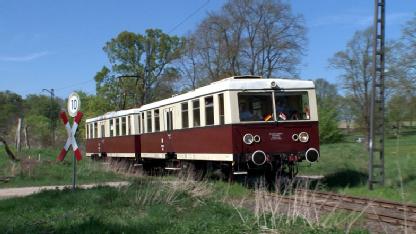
<point x="74" y="173"/>
<point x="376" y="136"/>
<point x="52" y="122"/>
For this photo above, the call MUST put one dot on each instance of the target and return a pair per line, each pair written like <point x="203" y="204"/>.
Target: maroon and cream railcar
<point x="241" y="125"/>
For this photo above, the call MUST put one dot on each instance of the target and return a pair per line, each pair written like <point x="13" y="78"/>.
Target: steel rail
<point x="363" y="200"/>
<point x="389" y="214"/>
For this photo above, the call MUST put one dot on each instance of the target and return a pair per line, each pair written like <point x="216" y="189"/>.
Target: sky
<point x="48" y="44"/>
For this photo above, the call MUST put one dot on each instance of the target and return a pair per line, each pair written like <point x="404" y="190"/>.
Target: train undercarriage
<point x="274" y="174"/>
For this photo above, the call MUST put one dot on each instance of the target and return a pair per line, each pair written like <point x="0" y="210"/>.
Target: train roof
<point x="231" y="83"/>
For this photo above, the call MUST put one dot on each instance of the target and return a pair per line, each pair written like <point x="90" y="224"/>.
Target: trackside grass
<point x="149" y="205"/>
<point x="39" y="167"/>
<point x="344" y="166"/>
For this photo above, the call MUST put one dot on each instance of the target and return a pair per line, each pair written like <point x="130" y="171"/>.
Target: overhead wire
<point x="189" y="16"/>
<point x="75" y="85"/>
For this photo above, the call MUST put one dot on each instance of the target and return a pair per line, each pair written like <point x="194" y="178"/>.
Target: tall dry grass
<point x="272" y="211"/>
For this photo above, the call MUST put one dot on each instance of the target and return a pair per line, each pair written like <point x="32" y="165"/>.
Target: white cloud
<point x="24" y="58"/>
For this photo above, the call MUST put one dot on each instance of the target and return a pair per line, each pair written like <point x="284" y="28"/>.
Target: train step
<point x="138" y="165"/>
<point x="240" y="173"/>
<point x="173" y="168"/>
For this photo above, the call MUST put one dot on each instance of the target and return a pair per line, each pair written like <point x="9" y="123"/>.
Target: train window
<point x="123" y="126"/>
<point x="195" y="105"/>
<point x="255" y="106"/>
<point x="116" y="127"/>
<point x="221" y="107"/>
<point x="149" y="121"/>
<point x="111" y="127"/>
<point x="137" y="117"/>
<point x="142" y="122"/>
<point x="157" y="119"/>
<point x="169" y="119"/>
<point x="139" y="126"/>
<point x="209" y="110"/>
<point x="102" y="130"/>
<point x="95" y="132"/>
<point x="184" y="113"/>
<point x="292" y="106"/>
<point x="128" y="127"/>
<point x="139" y="123"/>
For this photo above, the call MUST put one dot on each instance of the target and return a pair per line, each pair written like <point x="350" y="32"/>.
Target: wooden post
<point x="18" y="130"/>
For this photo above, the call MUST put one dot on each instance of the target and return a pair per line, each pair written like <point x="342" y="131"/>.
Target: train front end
<point x="277" y="129"/>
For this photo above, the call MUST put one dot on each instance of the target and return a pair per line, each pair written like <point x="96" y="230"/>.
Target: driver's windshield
<point x="259" y="106"/>
<point x="292" y="106"/>
<point x="255" y="106"/>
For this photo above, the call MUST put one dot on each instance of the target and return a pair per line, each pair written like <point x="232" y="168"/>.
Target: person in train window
<point x="306" y="112"/>
<point x="245" y="113"/>
<point x="282" y="108"/>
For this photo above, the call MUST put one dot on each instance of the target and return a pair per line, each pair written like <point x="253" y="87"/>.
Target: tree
<point x="140" y="64"/>
<point x="328" y="105"/>
<point x="408" y="58"/>
<point x="39" y="113"/>
<point x="397" y="111"/>
<point x="11" y="109"/>
<point x="38" y="128"/>
<point x="355" y="63"/>
<point x="326" y="92"/>
<point x="347" y="110"/>
<point x="401" y="105"/>
<point x="258" y="37"/>
<point x="189" y="65"/>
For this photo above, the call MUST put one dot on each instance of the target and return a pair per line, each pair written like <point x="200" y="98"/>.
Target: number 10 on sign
<point x="74" y="104"/>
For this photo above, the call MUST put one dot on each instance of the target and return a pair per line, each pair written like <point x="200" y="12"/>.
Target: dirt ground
<point x="26" y="191"/>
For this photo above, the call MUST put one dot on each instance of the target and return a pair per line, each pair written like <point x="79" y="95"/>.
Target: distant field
<point x="149" y="205"/>
<point x="345" y="167"/>
<point x="47" y="171"/>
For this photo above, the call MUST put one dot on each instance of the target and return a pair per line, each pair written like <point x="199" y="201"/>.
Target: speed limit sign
<point x="74" y="104"/>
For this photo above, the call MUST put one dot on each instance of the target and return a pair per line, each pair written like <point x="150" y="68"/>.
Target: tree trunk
<point x="8" y="151"/>
<point x="18" y="130"/>
<point x="27" y="145"/>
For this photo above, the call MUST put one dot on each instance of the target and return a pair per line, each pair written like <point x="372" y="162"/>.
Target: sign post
<point x="74" y="105"/>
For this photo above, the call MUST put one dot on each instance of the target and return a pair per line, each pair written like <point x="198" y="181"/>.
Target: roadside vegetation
<point x="39" y="167"/>
<point x="344" y="167"/>
<point x="151" y="205"/>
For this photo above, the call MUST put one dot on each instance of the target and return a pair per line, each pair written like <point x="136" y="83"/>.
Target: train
<point x="238" y="126"/>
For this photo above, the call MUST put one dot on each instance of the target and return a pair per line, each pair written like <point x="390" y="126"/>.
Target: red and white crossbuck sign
<point x="71" y="136"/>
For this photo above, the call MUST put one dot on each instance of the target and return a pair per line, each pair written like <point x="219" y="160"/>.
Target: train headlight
<point x="259" y="158"/>
<point x="303" y="137"/>
<point x="312" y="155"/>
<point x="295" y="137"/>
<point x="248" y="139"/>
<point x="257" y="138"/>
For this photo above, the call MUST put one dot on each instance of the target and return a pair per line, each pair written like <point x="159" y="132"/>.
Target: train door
<point x="101" y="140"/>
<point x="168" y="122"/>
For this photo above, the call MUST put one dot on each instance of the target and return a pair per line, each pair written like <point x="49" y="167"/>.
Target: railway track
<point x="388" y="212"/>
